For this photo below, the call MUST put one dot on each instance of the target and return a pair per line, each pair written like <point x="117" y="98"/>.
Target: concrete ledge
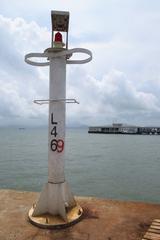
<point x="102" y="220"/>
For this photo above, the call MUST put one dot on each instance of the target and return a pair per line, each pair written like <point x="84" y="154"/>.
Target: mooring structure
<point x="56" y="206"/>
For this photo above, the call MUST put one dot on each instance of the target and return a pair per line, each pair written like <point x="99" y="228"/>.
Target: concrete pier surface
<point x="102" y="220"/>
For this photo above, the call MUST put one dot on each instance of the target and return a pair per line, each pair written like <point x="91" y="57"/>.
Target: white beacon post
<point x="56" y="206"/>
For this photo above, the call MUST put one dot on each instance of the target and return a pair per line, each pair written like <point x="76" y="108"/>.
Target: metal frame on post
<point x="56" y="206"/>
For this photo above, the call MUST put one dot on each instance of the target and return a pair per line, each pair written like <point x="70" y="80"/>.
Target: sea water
<point x="125" y="167"/>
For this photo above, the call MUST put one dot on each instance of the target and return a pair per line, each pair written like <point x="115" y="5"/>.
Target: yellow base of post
<point x="49" y="221"/>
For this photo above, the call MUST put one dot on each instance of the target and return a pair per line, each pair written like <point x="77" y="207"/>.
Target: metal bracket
<point x="43" y="101"/>
<point x="54" y="54"/>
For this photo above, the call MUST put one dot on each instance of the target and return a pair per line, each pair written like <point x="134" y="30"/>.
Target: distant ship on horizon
<point x="21" y="128"/>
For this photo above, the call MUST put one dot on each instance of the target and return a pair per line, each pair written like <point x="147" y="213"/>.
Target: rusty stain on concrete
<point x="102" y="219"/>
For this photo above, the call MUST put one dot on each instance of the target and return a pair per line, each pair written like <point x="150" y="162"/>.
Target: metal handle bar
<point x="36" y="55"/>
<point x="68" y="100"/>
<point x="58" y="54"/>
<point x="80" y="50"/>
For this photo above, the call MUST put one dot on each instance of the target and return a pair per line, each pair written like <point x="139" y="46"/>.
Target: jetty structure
<point x="103" y="219"/>
<point x="56" y="206"/>
<point x="119" y="128"/>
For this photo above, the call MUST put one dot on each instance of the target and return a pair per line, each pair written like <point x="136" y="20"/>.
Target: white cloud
<point x="111" y="98"/>
<point x="19" y="83"/>
<point x="122" y="82"/>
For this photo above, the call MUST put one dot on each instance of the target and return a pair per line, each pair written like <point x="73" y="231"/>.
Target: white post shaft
<point x="56" y="197"/>
<point x="57" y="112"/>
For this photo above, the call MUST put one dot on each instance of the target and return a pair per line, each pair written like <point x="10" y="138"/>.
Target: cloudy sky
<point x="121" y="84"/>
